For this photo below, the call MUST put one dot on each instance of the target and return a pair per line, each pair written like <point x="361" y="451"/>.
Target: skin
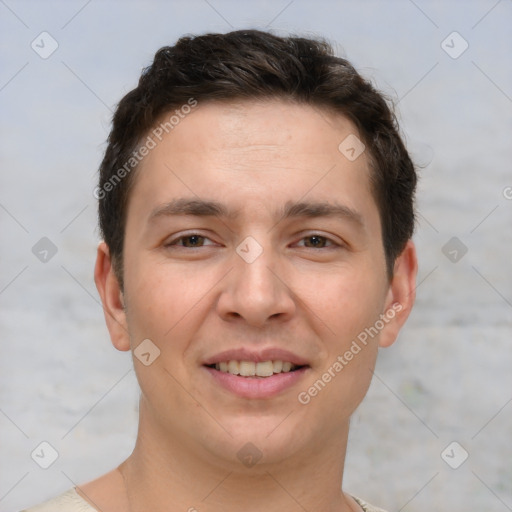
<point x="311" y="296"/>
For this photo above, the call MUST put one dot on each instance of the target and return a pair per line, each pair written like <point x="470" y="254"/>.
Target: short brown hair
<point x="251" y="64"/>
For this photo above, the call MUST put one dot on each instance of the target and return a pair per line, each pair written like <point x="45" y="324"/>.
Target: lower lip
<point x="257" y="387"/>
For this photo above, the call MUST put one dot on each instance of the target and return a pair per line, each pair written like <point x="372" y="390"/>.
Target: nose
<point x="256" y="291"/>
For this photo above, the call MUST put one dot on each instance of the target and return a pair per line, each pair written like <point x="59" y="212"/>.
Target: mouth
<point x="252" y="369"/>
<point x="256" y="380"/>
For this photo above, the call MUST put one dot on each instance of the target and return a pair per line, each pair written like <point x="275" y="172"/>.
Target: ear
<point x="111" y="298"/>
<point x="401" y="294"/>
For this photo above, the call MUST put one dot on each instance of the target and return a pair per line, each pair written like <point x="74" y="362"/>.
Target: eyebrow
<point x="208" y="208"/>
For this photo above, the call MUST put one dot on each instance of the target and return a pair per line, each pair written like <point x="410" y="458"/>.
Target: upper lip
<point x="267" y="354"/>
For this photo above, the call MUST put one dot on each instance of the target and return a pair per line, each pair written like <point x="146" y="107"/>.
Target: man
<point x="256" y="207"/>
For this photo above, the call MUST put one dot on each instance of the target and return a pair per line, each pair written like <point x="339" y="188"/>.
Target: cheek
<point x="160" y="307"/>
<point x="157" y="301"/>
<point x="345" y="301"/>
<point x="347" y="305"/>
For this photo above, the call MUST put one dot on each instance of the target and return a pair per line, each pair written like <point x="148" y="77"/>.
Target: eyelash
<point x="328" y="240"/>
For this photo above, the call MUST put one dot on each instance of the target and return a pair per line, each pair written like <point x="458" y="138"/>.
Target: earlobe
<point x="112" y="298"/>
<point x="401" y="294"/>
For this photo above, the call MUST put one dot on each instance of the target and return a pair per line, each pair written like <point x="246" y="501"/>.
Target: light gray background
<point x="448" y="378"/>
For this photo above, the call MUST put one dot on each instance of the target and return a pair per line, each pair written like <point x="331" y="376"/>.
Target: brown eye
<point x="193" y="241"/>
<point x="189" y="241"/>
<point x="317" y="242"/>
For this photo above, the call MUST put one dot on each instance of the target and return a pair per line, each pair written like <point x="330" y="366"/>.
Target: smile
<point x="258" y="383"/>
<point x="255" y="369"/>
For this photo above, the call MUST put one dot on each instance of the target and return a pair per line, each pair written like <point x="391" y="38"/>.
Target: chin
<point x="259" y="442"/>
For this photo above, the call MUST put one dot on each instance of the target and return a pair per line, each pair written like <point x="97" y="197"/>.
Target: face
<point x="252" y="238"/>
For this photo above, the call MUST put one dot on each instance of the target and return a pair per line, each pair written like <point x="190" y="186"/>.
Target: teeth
<point x="265" y="369"/>
<point x="278" y="366"/>
<point x="233" y="367"/>
<point x="252" y="369"/>
<point x="247" y="368"/>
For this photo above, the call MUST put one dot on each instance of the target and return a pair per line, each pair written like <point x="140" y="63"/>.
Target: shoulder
<point x="366" y="506"/>
<point x="68" y="501"/>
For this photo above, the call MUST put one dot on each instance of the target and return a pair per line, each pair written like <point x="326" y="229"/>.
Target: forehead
<point x="253" y="153"/>
<point x="257" y="125"/>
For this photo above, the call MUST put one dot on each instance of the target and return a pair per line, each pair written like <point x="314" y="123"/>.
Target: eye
<point x="196" y="240"/>
<point x="318" y="242"/>
<point x="189" y="241"/>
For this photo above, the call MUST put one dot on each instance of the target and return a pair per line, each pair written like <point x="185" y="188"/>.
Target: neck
<point x="165" y="474"/>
